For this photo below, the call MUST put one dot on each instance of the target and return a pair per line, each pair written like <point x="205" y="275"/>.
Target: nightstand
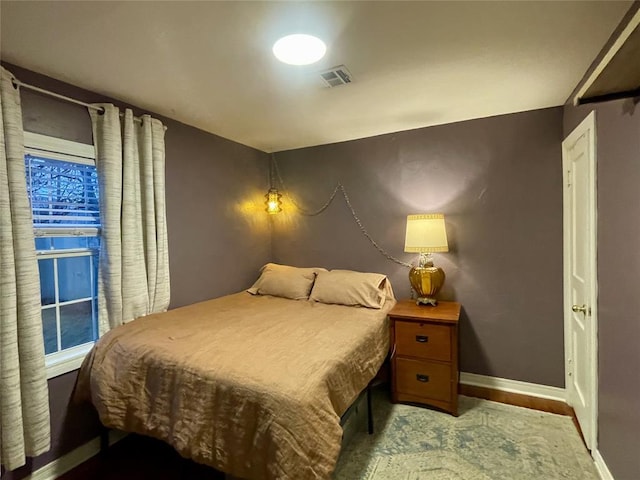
<point x="424" y="354"/>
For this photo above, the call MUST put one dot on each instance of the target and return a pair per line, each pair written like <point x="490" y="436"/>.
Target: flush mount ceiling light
<point x="299" y="49"/>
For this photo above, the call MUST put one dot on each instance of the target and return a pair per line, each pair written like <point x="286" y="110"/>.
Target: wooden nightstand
<point x="424" y="354"/>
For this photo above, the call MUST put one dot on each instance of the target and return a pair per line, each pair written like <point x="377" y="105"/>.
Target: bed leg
<point x="369" y="410"/>
<point x="104" y="441"/>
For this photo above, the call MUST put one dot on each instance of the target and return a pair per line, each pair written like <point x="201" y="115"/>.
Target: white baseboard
<point x="71" y="460"/>
<point x="514" y="386"/>
<point x="602" y="468"/>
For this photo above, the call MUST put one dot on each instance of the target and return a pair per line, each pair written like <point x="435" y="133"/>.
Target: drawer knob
<point x="422" y="338"/>
<point x="422" y="378"/>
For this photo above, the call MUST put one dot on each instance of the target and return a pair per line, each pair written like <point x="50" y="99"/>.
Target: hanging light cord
<point x="341" y="188"/>
<point x="271" y="162"/>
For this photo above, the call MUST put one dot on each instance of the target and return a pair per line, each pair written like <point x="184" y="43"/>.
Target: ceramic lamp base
<point x="427" y="282"/>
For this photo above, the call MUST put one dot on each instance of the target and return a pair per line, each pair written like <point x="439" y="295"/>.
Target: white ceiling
<point x="209" y="64"/>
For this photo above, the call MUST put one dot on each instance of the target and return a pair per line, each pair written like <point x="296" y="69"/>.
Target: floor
<point x="487" y="441"/>
<point x="141" y="458"/>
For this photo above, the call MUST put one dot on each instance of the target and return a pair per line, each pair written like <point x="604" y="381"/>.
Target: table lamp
<point x="425" y="235"/>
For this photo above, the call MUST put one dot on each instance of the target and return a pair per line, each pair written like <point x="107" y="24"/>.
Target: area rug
<point x="487" y="441"/>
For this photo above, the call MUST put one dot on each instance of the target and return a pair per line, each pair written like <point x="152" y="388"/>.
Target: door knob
<point x="577" y="308"/>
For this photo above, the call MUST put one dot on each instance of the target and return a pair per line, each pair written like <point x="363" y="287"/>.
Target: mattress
<point x="251" y="385"/>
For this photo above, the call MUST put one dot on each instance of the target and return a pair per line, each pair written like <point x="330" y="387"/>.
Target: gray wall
<point x="499" y="183"/>
<point x="219" y="235"/>
<point x="618" y="158"/>
<point x="498" y="180"/>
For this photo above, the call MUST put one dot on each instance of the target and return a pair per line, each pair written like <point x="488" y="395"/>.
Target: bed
<point x="253" y="385"/>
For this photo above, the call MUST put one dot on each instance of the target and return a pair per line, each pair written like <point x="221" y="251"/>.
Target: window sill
<point x="67" y="360"/>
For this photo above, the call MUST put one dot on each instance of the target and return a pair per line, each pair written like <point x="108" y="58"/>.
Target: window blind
<point x="64" y="196"/>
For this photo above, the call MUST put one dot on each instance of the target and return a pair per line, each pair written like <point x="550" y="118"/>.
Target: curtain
<point x="24" y="395"/>
<point x="134" y="257"/>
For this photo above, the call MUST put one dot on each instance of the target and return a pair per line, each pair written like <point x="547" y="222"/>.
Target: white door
<point x="580" y="315"/>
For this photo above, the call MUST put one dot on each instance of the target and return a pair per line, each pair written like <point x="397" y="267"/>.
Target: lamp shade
<point x="426" y="234"/>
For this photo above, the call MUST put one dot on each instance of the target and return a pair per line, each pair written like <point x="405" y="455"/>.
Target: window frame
<point x="44" y="146"/>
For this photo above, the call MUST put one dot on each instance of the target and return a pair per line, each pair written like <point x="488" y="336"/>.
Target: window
<point x="62" y="184"/>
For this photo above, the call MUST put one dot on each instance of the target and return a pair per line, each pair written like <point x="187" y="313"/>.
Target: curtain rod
<point x="20" y="84"/>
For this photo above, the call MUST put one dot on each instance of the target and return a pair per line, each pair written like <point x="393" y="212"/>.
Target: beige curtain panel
<point x="24" y="400"/>
<point x="134" y="256"/>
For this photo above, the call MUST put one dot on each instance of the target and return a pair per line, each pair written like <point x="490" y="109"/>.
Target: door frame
<point x="588" y="125"/>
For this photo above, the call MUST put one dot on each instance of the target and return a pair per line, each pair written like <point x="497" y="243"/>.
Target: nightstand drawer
<point x="423" y="379"/>
<point x="423" y="340"/>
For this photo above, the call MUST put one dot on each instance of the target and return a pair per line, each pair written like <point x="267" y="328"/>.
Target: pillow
<point x="285" y="281"/>
<point x="345" y="287"/>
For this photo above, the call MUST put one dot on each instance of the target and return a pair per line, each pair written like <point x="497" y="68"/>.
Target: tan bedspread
<point x="251" y="385"/>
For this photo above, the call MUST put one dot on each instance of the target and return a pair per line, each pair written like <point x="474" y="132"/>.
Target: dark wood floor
<point x="140" y="458"/>
<point x="519" y="400"/>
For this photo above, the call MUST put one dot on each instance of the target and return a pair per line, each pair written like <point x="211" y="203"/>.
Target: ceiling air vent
<point x="336" y="76"/>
